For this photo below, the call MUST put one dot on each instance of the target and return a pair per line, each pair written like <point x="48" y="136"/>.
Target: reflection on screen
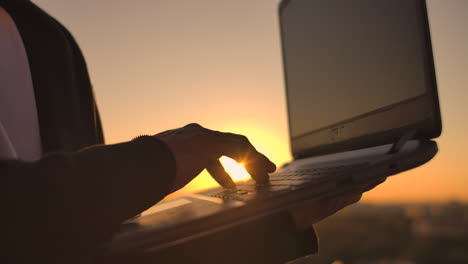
<point x="347" y="58"/>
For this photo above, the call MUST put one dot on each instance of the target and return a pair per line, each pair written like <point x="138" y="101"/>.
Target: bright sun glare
<point x="236" y="170"/>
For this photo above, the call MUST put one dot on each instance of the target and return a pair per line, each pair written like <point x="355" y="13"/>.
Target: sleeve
<point x="67" y="203"/>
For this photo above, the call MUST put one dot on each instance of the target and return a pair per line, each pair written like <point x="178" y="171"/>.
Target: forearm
<point x="83" y="196"/>
<point x="127" y="177"/>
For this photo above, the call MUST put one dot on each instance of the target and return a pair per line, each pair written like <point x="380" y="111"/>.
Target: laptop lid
<point x="357" y="73"/>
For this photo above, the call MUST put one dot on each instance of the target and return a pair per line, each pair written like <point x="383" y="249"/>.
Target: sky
<point x="157" y="65"/>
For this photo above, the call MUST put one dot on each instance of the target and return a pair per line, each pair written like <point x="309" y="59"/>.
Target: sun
<point x="236" y="170"/>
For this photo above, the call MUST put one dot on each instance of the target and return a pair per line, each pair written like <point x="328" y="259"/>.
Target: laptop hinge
<point x="396" y="147"/>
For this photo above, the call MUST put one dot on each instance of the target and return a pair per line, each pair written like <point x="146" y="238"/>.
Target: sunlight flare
<point x="236" y="170"/>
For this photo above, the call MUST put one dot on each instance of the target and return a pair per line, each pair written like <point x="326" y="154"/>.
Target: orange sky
<point x="157" y="65"/>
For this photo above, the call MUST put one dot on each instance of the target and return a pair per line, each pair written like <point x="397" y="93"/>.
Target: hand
<point x="314" y="211"/>
<point x="196" y="148"/>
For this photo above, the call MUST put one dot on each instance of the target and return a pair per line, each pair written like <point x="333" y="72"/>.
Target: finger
<point x="220" y="175"/>
<point x="271" y="167"/>
<point x="239" y="148"/>
<point x="257" y="172"/>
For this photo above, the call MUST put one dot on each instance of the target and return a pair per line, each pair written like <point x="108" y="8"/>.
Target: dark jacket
<point x="74" y="197"/>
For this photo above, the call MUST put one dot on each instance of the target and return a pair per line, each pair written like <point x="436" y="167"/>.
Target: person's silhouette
<point x="63" y="192"/>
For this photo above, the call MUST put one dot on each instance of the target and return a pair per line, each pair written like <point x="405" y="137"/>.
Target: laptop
<point x="362" y="105"/>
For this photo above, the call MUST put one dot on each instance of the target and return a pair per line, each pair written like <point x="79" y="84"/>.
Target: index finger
<point x="240" y="149"/>
<point x="217" y="171"/>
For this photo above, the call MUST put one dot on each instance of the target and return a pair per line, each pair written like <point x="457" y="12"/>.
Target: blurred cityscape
<point x="395" y="234"/>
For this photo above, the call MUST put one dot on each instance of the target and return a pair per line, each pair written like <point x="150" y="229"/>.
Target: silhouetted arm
<point x="67" y="203"/>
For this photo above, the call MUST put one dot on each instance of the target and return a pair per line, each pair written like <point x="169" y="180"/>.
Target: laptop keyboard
<point x="281" y="182"/>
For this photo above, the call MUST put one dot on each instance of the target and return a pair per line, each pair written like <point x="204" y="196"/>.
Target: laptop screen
<point x="346" y="61"/>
